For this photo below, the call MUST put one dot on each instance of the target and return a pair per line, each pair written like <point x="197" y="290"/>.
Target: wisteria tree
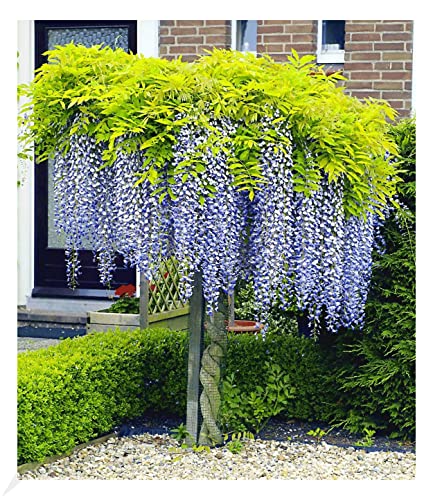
<point x="239" y="167"/>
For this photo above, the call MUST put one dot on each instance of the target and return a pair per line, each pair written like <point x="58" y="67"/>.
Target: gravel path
<point x="31" y="344"/>
<point x="150" y="456"/>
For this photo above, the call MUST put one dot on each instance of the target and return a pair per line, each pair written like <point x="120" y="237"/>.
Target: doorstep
<point x="59" y="311"/>
<point x="66" y="306"/>
<point x="56" y="317"/>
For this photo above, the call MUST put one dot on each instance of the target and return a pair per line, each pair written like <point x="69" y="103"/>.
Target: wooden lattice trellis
<point x="164" y="293"/>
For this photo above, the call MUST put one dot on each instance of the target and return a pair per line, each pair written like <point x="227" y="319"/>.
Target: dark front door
<point x="50" y="266"/>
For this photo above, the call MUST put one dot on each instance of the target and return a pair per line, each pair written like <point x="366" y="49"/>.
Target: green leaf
<point x="152" y="175"/>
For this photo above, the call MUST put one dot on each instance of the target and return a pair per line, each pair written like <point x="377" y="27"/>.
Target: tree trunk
<point x="210" y="375"/>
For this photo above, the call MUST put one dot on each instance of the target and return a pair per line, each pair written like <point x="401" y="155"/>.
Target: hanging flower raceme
<point x="208" y="231"/>
<point x="303" y="250"/>
<point x="270" y="251"/>
<point x="79" y="198"/>
<point x="296" y="247"/>
<point x="134" y="210"/>
<point x="185" y="212"/>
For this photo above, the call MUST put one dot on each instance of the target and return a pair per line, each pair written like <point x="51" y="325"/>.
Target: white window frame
<point x="234" y="35"/>
<point x="25" y="193"/>
<point x="327" y="56"/>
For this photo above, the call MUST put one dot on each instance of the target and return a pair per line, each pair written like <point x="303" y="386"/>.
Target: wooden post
<point x="196" y="334"/>
<point x="144" y="302"/>
<point x="231" y="298"/>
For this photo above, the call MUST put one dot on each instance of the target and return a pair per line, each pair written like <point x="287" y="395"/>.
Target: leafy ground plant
<point x="242" y="412"/>
<point x="317" y="434"/>
<point x="235" y="446"/>
<point x="125" y="305"/>
<point x="180" y="433"/>
<point x="368" y="439"/>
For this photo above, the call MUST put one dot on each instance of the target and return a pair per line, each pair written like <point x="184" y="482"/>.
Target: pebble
<point x="159" y="457"/>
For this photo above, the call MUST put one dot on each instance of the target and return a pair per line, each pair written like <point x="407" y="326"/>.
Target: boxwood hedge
<point x="83" y="387"/>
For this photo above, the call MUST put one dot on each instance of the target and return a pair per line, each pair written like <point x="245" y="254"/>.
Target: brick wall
<point x="378" y="54"/>
<point x="190" y="39"/>
<point x="378" y="61"/>
<point x="277" y="38"/>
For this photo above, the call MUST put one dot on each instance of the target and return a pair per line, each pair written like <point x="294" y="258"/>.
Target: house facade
<point x="375" y="56"/>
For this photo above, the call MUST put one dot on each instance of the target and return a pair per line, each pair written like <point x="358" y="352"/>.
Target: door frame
<point x="50" y="267"/>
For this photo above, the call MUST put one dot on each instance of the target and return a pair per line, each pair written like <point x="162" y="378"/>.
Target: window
<point x="244" y="36"/>
<point x="330" y="41"/>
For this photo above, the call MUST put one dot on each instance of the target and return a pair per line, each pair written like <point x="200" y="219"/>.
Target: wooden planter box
<point x="101" y="321"/>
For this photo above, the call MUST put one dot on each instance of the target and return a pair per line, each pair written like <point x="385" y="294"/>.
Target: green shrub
<point x="246" y="412"/>
<point x="302" y="361"/>
<point x="83" y="387"/>
<point x="376" y="368"/>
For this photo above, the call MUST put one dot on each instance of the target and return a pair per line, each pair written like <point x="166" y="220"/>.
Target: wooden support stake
<point x="196" y="334"/>
<point x="231" y="298"/>
<point x="144" y="302"/>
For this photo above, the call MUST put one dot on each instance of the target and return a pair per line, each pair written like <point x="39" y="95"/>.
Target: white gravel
<point x="160" y="457"/>
<point x="31" y="344"/>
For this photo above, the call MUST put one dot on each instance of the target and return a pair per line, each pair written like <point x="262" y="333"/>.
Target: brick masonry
<point x="378" y="61"/>
<point x="378" y="54"/>
<point x="277" y="38"/>
<point x="190" y="39"/>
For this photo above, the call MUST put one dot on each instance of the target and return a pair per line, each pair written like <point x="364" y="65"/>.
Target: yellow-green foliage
<point x="130" y="101"/>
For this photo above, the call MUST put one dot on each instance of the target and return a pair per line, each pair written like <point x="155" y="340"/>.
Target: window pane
<point x="246" y="36"/>
<point x="333" y="35"/>
<point x="115" y="37"/>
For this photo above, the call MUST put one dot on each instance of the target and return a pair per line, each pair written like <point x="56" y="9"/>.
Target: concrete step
<point x="66" y="305"/>
<point x="58" y="317"/>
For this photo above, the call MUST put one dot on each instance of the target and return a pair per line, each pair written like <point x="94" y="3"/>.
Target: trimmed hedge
<point x="83" y="387"/>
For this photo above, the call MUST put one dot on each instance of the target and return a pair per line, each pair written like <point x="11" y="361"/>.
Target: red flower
<point x="122" y="290"/>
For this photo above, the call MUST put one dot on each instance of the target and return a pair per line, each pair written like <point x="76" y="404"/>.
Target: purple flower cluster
<point x="103" y="208"/>
<point x="302" y="251"/>
<point x="270" y="261"/>
<point x="296" y="248"/>
<point x="77" y="189"/>
<point x="208" y="231"/>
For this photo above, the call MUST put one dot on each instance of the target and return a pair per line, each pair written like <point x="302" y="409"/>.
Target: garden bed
<point x="101" y="321"/>
<point x="285" y="449"/>
<point x="277" y="429"/>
